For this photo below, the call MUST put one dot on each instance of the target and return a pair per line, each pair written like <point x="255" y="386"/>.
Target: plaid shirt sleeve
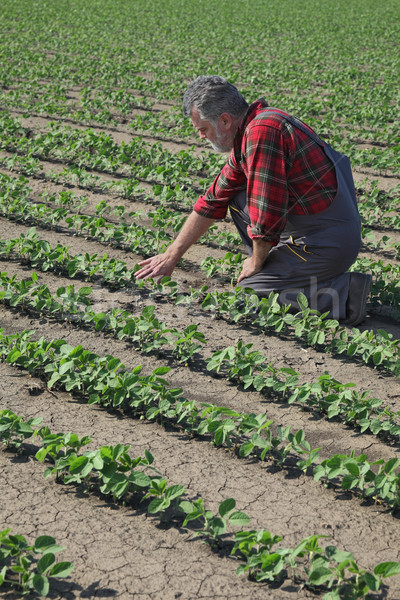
<point x="267" y="183"/>
<point x="281" y="168"/>
<point x="214" y="204"/>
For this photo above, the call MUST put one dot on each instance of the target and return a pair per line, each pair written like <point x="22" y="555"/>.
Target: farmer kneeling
<point x="291" y="197"/>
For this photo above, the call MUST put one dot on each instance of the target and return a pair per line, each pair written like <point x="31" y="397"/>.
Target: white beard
<point x="219" y="145"/>
<point x="220" y="148"/>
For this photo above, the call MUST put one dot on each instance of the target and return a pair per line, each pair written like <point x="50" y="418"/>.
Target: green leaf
<point x="80" y="466"/>
<point x="338" y="556"/>
<point x="334" y="595"/>
<point x="219" y="437"/>
<point x="13" y="356"/>
<point x="387" y="569"/>
<point x="149" y="457"/>
<point x="62" y="569"/>
<point x="320" y="575"/>
<point x="372" y="582"/>
<point x="391" y="464"/>
<point x="226" y="506"/>
<point x="41" y="584"/>
<point x="109" y="469"/>
<point x="239" y="518"/>
<point x="246" y="449"/>
<point x="302" y="301"/>
<point x="349" y="481"/>
<point x="46" y="562"/>
<point x="174" y="491"/>
<point x="161" y="370"/>
<point x="42" y="542"/>
<point x="352" y="468"/>
<point x="218" y="526"/>
<point x="186" y="506"/>
<point x="85" y="291"/>
<point x="67" y="366"/>
<point x="156" y="505"/>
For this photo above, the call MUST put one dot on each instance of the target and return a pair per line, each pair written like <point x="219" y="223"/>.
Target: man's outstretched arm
<point x="163" y="264"/>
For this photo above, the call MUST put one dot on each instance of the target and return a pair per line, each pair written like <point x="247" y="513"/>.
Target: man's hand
<point x="158" y="266"/>
<point x="255" y="263"/>
<point x="248" y="269"/>
<point x="162" y="265"/>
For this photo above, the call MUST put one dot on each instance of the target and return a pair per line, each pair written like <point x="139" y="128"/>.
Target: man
<point x="291" y="197"/>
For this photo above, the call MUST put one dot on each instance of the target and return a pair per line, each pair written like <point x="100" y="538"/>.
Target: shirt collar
<point x="252" y="111"/>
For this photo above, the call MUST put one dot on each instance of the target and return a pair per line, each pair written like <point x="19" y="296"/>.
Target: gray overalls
<point x="314" y="251"/>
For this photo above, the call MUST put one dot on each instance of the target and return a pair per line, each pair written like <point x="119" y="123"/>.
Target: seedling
<point x="29" y="567"/>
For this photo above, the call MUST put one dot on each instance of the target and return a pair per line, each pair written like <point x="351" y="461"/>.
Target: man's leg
<point x="290" y="271"/>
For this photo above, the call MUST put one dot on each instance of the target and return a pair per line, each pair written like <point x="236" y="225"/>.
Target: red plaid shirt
<point x="283" y="170"/>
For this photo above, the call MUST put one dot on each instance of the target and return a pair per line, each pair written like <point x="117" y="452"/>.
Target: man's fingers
<point x="149" y="266"/>
<point x="145" y="262"/>
<point x="146" y="272"/>
<point x="156" y="266"/>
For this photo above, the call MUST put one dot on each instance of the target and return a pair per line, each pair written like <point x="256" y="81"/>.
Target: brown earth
<point x="122" y="551"/>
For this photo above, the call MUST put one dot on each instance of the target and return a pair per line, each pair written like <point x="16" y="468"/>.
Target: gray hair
<point x="213" y="95"/>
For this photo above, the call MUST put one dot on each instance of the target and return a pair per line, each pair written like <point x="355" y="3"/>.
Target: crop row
<point x="315" y="329"/>
<point x="114" y="472"/>
<point x="145" y="241"/>
<point x="148" y="240"/>
<point x="98" y="151"/>
<point x="105" y="381"/>
<point x="170" y="122"/>
<point x="357" y="94"/>
<point x="145" y="331"/>
<point x="96" y="227"/>
<point x="379" y="209"/>
<point x="385" y="289"/>
<point x="15" y="204"/>
<point x="49" y="99"/>
<point x="241" y="364"/>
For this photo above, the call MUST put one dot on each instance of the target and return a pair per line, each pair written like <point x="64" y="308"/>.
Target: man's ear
<point x="226" y="121"/>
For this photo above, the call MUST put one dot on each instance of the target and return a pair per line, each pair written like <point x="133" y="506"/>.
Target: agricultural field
<point x="180" y="439"/>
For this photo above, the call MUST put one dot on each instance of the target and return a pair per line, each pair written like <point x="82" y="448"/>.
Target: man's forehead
<point x="196" y="118"/>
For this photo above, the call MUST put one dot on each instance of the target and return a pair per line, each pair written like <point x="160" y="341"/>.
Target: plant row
<point x="169" y="124"/>
<point x="80" y="148"/>
<point x="265" y="313"/>
<point x="385" y="287"/>
<point x="15" y="204"/>
<point x="308" y="324"/>
<point x="71" y="143"/>
<point x="246" y="366"/>
<point x="98" y="151"/>
<point x="105" y="381"/>
<point x="145" y="331"/>
<point x="114" y="472"/>
<point x="379" y="209"/>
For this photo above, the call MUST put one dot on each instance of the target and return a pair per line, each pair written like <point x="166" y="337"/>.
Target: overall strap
<point x="296" y="123"/>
